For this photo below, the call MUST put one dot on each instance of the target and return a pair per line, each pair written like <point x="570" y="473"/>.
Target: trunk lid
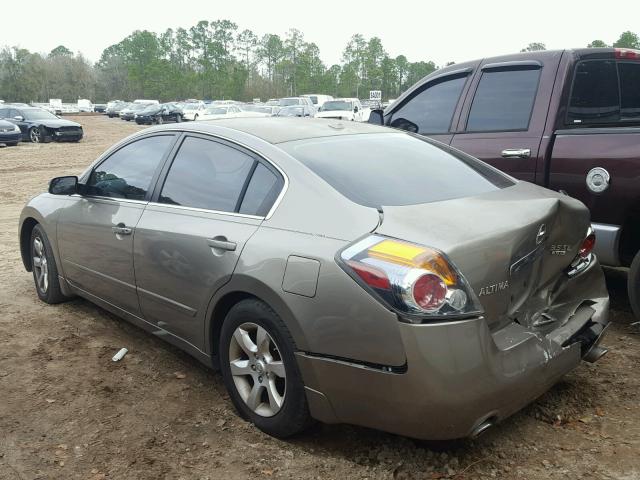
<point x="512" y="245"/>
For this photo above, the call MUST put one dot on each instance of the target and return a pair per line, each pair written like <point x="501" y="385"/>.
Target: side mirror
<point x="63" y="185"/>
<point x="377" y="117"/>
<point x="355" y="109"/>
<point x="19" y="118"/>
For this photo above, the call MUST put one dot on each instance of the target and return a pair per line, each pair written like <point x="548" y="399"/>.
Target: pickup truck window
<point x="431" y="109"/>
<point x="504" y="100"/>
<point x="594" y="95"/>
<point x="605" y="92"/>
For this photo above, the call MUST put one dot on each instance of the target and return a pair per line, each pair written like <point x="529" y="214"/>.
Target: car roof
<point x="282" y="129"/>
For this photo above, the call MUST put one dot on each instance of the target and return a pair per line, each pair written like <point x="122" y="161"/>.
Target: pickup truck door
<point x="503" y="118"/>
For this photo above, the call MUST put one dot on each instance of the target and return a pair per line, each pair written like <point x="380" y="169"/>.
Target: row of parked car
<point x="321" y="106"/>
<point x="23" y="122"/>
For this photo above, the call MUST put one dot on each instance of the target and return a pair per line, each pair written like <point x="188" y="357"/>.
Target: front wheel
<point x="35" y="135"/>
<point x="178" y="118"/>
<point x="44" y="268"/>
<point x="159" y="121"/>
<point x="633" y="285"/>
<point x="260" y="371"/>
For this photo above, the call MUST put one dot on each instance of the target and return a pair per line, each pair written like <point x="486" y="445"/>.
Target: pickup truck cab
<point x="568" y="120"/>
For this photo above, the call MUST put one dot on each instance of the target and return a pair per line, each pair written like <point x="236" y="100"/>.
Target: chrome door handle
<point x="222" y="244"/>
<point x="121" y="229"/>
<point x="516" y="153"/>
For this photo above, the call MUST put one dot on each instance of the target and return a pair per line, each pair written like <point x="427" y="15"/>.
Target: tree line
<point x="215" y="60"/>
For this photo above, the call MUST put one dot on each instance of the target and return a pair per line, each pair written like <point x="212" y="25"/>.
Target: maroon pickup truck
<point x="568" y="120"/>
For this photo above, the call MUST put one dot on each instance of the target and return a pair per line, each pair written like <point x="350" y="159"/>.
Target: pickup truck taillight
<point x="627" y="54"/>
<point x="418" y="282"/>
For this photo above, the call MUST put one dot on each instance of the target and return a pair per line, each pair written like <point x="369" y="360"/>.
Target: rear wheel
<point x="45" y="270"/>
<point x="260" y="371"/>
<point x="159" y="120"/>
<point x="633" y="285"/>
<point x="195" y="117"/>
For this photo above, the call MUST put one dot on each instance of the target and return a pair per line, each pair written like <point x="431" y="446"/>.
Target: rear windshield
<point x="394" y="169"/>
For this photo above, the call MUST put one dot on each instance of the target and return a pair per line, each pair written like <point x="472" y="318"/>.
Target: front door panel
<point x="95" y="257"/>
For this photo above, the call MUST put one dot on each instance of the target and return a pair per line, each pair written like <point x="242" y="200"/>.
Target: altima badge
<point x="495" y="288"/>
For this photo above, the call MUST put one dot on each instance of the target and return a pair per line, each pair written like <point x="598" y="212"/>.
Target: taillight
<point x="587" y="244"/>
<point x="584" y="257"/>
<point x="418" y="281"/>
<point x="627" y="54"/>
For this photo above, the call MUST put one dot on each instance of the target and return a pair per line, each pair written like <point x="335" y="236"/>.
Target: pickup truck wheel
<point x="260" y="371"/>
<point x="633" y="285"/>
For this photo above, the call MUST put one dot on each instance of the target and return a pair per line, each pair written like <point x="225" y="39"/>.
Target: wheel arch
<point x="630" y="238"/>
<point x="241" y="288"/>
<point x="26" y="227"/>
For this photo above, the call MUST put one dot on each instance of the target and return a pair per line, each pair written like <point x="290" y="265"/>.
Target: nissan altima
<point x="334" y="271"/>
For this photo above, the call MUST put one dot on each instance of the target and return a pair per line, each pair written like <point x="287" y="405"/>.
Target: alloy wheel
<point x="257" y="369"/>
<point x="40" y="266"/>
<point x="34" y="135"/>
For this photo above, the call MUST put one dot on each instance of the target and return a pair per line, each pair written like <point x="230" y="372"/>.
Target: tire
<point x="280" y="408"/>
<point x="195" y="117"/>
<point x="178" y="118"/>
<point x="36" y="135"/>
<point x="633" y="285"/>
<point x="159" y="121"/>
<point x="45" y="276"/>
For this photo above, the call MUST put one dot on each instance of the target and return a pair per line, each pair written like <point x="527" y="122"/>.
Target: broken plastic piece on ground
<point x="120" y="355"/>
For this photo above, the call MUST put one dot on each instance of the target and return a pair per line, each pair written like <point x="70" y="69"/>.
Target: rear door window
<point x="262" y="191"/>
<point x="503" y="100"/>
<point x="629" y="91"/>
<point x="594" y="96"/>
<point x="208" y="175"/>
<point x="431" y="109"/>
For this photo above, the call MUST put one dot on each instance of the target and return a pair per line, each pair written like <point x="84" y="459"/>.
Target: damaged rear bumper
<point x="460" y="377"/>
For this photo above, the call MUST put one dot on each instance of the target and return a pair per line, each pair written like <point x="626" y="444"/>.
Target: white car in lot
<point x="318" y="99"/>
<point x="342" y="109"/>
<point x="193" y="110"/>
<point x="227" y="111"/>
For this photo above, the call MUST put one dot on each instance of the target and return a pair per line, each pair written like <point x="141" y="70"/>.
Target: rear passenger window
<point x="262" y="192"/>
<point x="431" y="110"/>
<point x="206" y="174"/>
<point x="605" y="92"/>
<point x="594" y="95"/>
<point x="629" y="91"/>
<point x="504" y="100"/>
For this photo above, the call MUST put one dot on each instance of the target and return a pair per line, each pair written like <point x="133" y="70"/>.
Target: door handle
<point x="222" y="244"/>
<point x="516" y="153"/>
<point x="122" y="229"/>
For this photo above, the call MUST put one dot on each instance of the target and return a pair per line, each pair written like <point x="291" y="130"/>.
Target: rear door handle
<point x="221" y="244"/>
<point x="122" y="229"/>
<point x="516" y="153"/>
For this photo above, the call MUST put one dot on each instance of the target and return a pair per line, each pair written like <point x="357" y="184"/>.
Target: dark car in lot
<point x="99" y="107"/>
<point x="10" y="133"/>
<point x="37" y="125"/>
<point x="159" y="114"/>
<point x="568" y="120"/>
<point x="130" y="112"/>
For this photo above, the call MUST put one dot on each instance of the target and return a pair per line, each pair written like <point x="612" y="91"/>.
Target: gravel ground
<point x="67" y="411"/>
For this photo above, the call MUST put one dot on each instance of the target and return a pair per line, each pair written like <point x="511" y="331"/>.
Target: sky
<point x="442" y="31"/>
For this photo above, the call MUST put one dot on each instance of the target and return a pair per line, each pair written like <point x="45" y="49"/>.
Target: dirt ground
<point x="67" y="411"/>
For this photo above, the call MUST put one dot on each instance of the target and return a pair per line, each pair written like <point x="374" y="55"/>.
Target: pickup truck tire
<point x="633" y="285"/>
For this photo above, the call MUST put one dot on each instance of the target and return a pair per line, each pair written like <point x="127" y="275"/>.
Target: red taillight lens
<point x="372" y="276"/>
<point x="587" y="245"/>
<point x="429" y="292"/>
<point x="627" y="54"/>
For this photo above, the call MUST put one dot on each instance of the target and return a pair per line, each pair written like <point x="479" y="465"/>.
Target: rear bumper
<point x="459" y="375"/>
